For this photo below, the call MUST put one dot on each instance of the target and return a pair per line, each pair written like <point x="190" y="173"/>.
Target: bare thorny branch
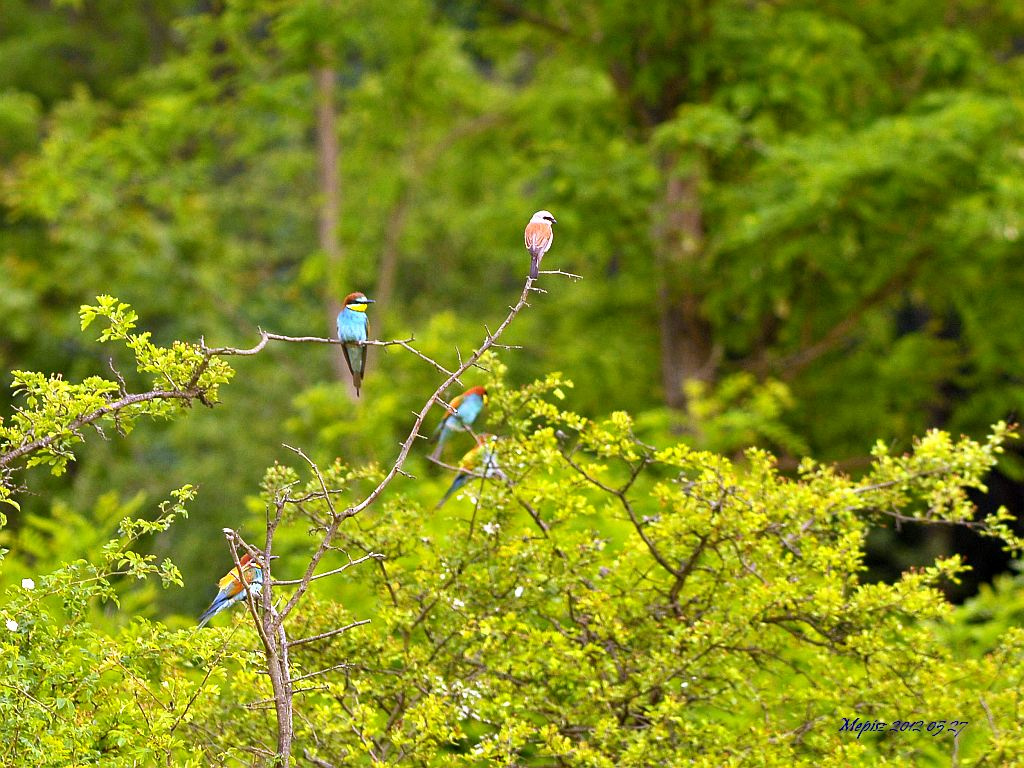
<point x="271" y="624"/>
<point x="266" y="337"/>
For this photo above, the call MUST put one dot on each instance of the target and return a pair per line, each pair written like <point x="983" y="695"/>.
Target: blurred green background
<point x="798" y="223"/>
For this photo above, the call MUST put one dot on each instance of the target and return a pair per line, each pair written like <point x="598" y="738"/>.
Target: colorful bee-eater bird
<point x="538" y="239"/>
<point x="232" y="589"/>
<point x="354" y="326"/>
<point x="480" y="461"/>
<point x="467" y="407"/>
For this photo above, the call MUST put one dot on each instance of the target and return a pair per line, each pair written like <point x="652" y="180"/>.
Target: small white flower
<point x="491" y="528"/>
<point x="456" y="603"/>
<point x="28" y="584"/>
<point x="12" y="625"/>
<point x="519" y="592"/>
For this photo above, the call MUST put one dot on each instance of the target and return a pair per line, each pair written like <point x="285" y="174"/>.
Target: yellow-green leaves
<point x="712" y="608"/>
<point x="55" y="413"/>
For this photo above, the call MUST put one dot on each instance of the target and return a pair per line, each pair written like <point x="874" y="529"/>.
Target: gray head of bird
<point x="542" y="216"/>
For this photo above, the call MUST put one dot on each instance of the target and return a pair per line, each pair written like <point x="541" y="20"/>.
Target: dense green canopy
<point x="798" y="230"/>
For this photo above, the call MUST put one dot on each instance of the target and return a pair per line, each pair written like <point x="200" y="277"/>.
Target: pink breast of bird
<point x="538" y="236"/>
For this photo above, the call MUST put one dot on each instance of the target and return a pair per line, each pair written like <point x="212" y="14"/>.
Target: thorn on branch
<point x="570" y="275"/>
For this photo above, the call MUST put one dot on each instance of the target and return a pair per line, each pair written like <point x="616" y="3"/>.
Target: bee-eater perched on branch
<point x="539" y="235"/>
<point x="467" y="407"/>
<point x="479" y="461"/>
<point x="232" y="589"/>
<point x="354" y="326"/>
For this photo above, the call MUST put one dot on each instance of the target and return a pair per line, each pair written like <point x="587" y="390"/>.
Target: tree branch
<point x="188" y="393"/>
<point x="325" y="635"/>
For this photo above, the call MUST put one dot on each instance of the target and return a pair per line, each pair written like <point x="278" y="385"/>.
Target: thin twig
<point x="320" y="672"/>
<point x="570" y="275"/>
<point x="325" y="635"/>
<point x="988" y="714"/>
<point x="28" y="696"/>
<point x="325" y="574"/>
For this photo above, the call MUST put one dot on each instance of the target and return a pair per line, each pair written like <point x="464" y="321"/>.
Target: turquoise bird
<point x="479" y="461"/>
<point x="467" y="407"/>
<point x="354" y="326"/>
<point x="231" y="589"/>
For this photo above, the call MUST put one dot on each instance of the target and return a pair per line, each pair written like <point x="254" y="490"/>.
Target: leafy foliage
<point x="618" y="603"/>
<point x="610" y="602"/>
<point x="56" y="410"/>
<point x="799" y="229"/>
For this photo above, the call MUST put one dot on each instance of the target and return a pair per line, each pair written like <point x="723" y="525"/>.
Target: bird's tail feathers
<point x="534" y="266"/>
<point x="354" y="360"/>
<point x="209" y="613"/>
<point x="457" y="483"/>
<point x="441" y="434"/>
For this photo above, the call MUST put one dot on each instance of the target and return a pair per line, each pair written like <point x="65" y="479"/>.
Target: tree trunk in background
<point x="387" y="273"/>
<point x="330" y="202"/>
<point x="687" y="351"/>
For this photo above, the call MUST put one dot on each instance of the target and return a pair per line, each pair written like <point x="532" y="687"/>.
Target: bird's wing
<point x="363" y="350"/>
<point x="231" y="585"/>
<point x="538" y="237"/>
<point x="469" y="460"/>
<point x="455" y="403"/>
<point x="471" y="409"/>
<point x="231" y="577"/>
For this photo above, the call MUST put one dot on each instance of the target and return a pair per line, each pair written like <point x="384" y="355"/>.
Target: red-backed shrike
<point x="538" y="239"/>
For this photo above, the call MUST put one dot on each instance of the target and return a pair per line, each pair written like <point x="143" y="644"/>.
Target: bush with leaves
<point x="609" y="603"/>
<point x="618" y="604"/>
